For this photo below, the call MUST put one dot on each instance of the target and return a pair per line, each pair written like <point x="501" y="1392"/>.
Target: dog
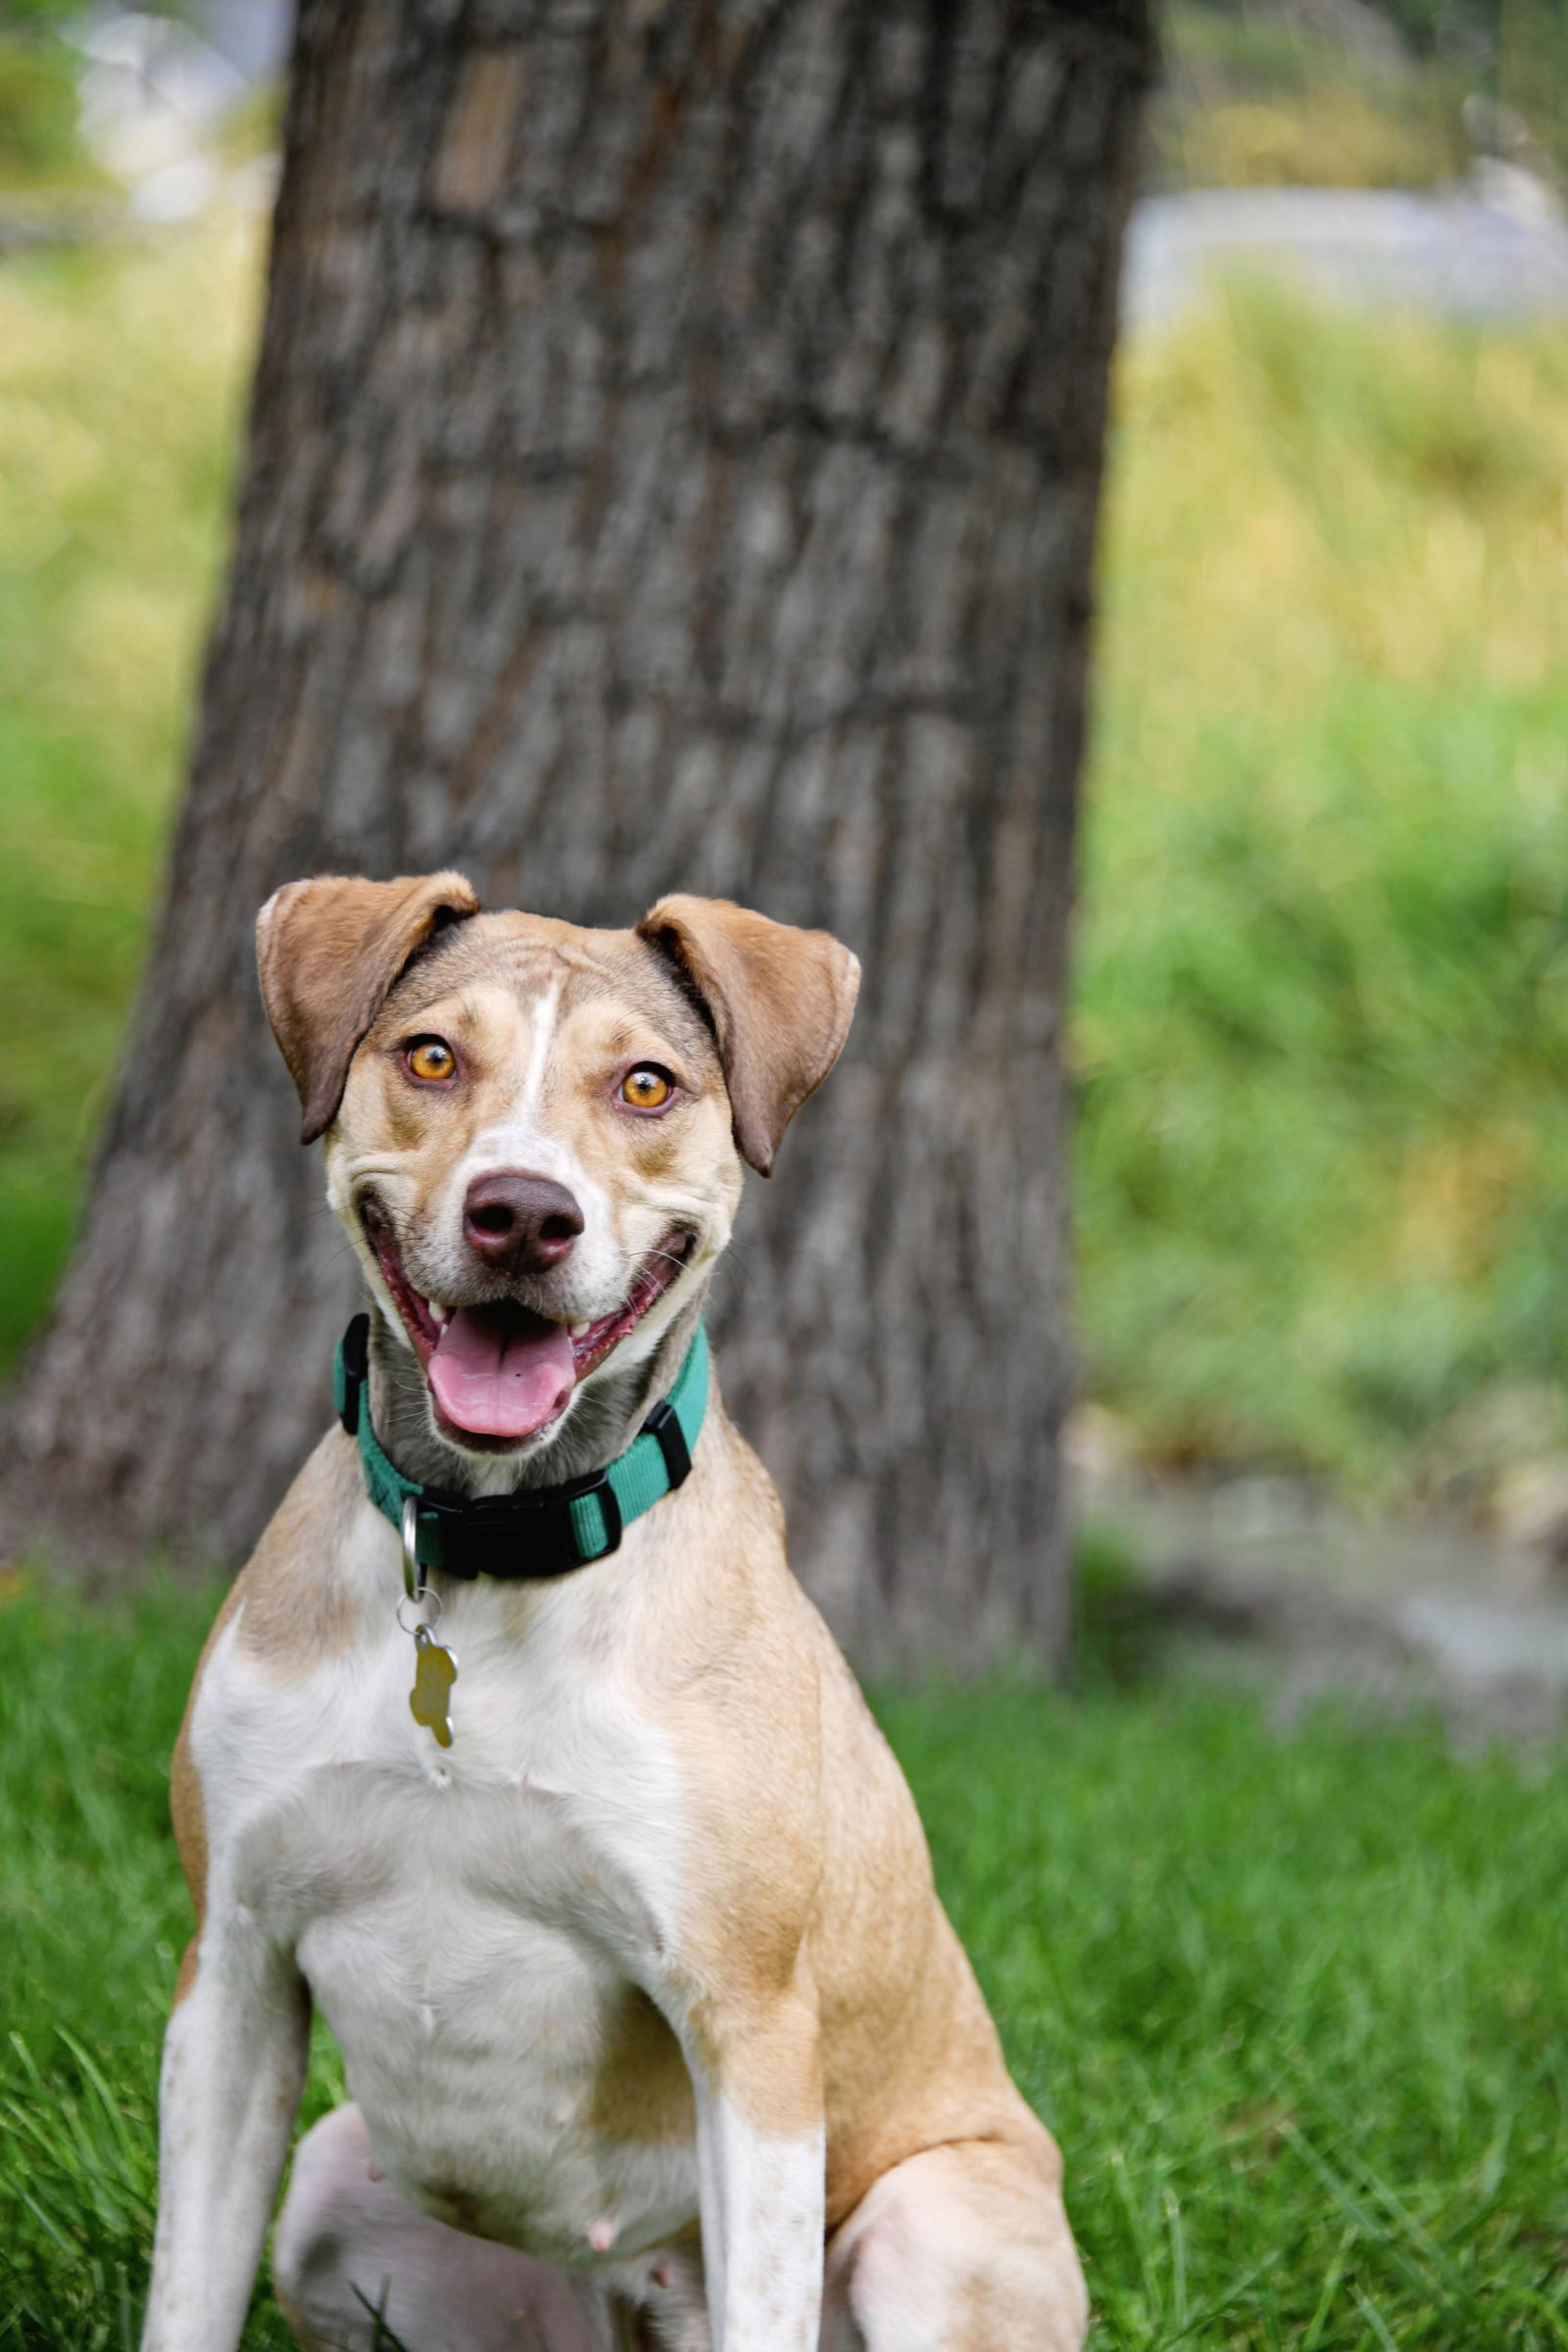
<point x="518" y="1751"/>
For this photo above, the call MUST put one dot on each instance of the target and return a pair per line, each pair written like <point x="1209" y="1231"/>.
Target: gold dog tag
<point x="435" y="1670"/>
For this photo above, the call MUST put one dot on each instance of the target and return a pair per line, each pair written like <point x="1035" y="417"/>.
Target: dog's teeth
<point x="439" y="1315"/>
<point x="578" y="1329"/>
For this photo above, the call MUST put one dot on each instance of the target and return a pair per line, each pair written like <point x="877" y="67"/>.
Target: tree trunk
<point x="673" y="465"/>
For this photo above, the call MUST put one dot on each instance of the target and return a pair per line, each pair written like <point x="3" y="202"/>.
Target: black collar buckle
<point x="522" y="1534"/>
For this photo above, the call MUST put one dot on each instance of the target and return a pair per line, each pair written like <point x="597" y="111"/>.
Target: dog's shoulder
<point x="289" y="1605"/>
<point x="296" y="1600"/>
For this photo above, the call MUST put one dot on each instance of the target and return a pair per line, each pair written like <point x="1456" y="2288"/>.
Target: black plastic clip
<point x="528" y="1533"/>
<point x="356" y="1358"/>
<point x="664" y="1423"/>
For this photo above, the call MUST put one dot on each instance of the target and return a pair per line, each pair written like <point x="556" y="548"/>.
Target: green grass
<point x="1259" y="95"/>
<point x="119" y="373"/>
<point x="93" y="1918"/>
<point x="1294" y="2003"/>
<point x="1322" y="1014"/>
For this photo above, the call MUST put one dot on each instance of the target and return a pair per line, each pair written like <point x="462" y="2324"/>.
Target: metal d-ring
<point x="414" y="1588"/>
<point x="413" y="1585"/>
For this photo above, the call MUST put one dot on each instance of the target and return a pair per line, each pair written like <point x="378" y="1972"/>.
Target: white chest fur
<point x="470" y="1921"/>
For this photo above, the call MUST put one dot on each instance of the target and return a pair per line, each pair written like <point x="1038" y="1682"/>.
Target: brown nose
<point x="524" y="1224"/>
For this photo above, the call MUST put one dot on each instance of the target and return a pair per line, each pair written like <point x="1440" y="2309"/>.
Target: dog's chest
<point x="475" y="1923"/>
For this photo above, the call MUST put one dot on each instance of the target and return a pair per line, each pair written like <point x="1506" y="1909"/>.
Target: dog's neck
<point x="601" y="1425"/>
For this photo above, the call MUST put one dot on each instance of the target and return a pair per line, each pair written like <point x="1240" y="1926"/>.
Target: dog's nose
<point x="525" y="1224"/>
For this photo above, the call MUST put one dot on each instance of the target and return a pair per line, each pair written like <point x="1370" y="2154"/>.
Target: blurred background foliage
<point x="1322" y="1018"/>
<point x="1323" y="94"/>
<point x="39" y="140"/>
<point x="121" y="375"/>
<point x="1345" y="93"/>
<point x="1322" y="1026"/>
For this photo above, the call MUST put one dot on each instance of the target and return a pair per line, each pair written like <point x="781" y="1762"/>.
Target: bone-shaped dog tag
<point x="435" y="1670"/>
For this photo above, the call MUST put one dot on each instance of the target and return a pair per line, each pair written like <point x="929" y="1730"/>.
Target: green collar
<point x="538" y="1531"/>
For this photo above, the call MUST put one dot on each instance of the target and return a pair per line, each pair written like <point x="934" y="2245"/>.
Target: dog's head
<point x="534" y="1133"/>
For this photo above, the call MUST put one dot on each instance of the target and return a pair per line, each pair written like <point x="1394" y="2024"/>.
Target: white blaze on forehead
<point x="523" y="1139"/>
<point x="544" y="1030"/>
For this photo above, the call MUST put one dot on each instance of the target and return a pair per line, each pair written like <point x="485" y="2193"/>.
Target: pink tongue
<point x="500" y="1372"/>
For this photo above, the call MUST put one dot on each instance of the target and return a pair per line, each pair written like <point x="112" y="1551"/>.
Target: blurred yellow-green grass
<point x="1258" y="99"/>
<point x="120" y="372"/>
<point x="1322" y="1020"/>
<point x="1320" y="93"/>
<point x="1322" y="1024"/>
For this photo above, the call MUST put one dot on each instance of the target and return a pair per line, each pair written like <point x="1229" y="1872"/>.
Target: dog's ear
<point x="329" y="952"/>
<point x="779" y="1001"/>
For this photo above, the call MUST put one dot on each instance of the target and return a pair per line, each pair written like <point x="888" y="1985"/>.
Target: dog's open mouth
<point x="501" y="1371"/>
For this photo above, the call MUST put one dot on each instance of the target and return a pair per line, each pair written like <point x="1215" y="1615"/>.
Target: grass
<point x="1322" y="1017"/>
<point x="1293" y="2001"/>
<point x="120" y="373"/>
<point x="1256" y="98"/>
<point x="1256" y="94"/>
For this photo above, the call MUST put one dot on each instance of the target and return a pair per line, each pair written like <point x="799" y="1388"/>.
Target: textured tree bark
<point x="673" y="464"/>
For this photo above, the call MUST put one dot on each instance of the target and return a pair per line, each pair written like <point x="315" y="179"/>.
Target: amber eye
<point x="647" y="1086"/>
<point x="430" y="1060"/>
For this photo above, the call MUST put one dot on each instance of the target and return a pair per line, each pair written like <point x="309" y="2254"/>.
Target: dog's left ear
<point x="329" y="952"/>
<point x="780" y="1001"/>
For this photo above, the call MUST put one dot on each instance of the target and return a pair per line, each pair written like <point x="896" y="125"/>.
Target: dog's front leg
<point x="233" y="2068"/>
<point x="759" y="2152"/>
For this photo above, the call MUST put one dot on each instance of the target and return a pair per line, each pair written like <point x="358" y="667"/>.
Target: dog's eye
<point x="428" y="1058"/>
<point x="647" y="1086"/>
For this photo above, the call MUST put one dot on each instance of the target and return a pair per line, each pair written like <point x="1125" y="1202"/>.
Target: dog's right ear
<point x="329" y="952"/>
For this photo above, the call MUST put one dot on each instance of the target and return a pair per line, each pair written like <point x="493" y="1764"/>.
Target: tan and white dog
<point x="656" y="2033"/>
